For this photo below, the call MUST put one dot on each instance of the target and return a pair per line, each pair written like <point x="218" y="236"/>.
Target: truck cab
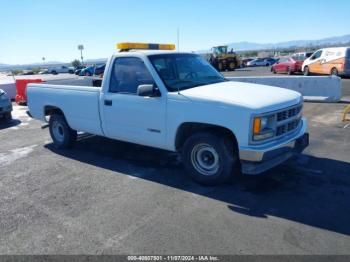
<point x="179" y="102"/>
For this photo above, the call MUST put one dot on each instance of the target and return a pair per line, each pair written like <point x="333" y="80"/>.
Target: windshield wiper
<point x="181" y="81"/>
<point x="217" y="77"/>
<point x="213" y="77"/>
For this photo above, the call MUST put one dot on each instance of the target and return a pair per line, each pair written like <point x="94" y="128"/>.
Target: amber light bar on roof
<point x="145" y="46"/>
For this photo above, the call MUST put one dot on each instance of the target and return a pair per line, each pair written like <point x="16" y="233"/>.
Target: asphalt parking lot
<point x="109" y="197"/>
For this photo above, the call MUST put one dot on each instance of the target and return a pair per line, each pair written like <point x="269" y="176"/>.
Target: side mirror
<point x="148" y="90"/>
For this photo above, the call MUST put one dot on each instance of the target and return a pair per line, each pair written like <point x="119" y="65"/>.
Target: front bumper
<point x="258" y="159"/>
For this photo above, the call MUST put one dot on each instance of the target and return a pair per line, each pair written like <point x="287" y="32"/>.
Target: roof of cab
<point x="148" y="52"/>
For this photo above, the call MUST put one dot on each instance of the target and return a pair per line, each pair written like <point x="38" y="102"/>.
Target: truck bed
<point x="80" y="104"/>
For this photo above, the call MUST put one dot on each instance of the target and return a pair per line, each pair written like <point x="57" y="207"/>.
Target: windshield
<point x="184" y="71"/>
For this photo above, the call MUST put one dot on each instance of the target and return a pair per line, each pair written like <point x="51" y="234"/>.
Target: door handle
<point x="108" y="102"/>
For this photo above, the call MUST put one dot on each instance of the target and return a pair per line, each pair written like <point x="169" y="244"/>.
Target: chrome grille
<point x="288" y="120"/>
<point x="283" y="115"/>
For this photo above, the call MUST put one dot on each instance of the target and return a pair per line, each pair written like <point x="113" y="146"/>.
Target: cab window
<point x="316" y="55"/>
<point x="127" y="74"/>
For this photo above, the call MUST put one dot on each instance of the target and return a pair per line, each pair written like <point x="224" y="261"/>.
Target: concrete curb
<point x="312" y="88"/>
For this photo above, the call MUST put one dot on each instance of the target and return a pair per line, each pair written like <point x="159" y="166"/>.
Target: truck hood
<point x="249" y="95"/>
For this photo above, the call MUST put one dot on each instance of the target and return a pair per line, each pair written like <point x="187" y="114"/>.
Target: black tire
<point x="8" y="117"/>
<point x="54" y="72"/>
<point x="220" y="149"/>
<point x="87" y="73"/>
<point x="306" y="71"/>
<point x="273" y="70"/>
<point x="231" y="66"/>
<point x="62" y="135"/>
<point x="289" y="72"/>
<point x="334" y="72"/>
<point x="221" y="67"/>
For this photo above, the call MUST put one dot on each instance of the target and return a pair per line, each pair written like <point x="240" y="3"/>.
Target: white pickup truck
<point x="179" y="102"/>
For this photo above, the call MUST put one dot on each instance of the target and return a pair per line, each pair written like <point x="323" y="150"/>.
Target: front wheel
<point x="232" y="66"/>
<point x="62" y="135"/>
<point x="334" y="72"/>
<point x="210" y="159"/>
<point x="306" y="71"/>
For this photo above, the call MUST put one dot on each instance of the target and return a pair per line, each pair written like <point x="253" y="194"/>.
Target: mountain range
<point x="251" y="46"/>
<point x="4" y="67"/>
<point x="244" y="46"/>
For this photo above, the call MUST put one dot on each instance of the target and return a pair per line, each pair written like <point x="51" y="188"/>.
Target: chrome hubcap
<point x="205" y="159"/>
<point x="58" y="131"/>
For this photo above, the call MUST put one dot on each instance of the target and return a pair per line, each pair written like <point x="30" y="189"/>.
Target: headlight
<point x="263" y="127"/>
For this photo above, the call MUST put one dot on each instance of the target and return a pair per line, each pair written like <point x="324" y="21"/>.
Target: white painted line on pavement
<point x="15" y="154"/>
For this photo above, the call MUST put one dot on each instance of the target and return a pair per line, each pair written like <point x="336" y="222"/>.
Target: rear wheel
<point x="62" y="135"/>
<point x="273" y="70"/>
<point x="210" y="159"/>
<point x="334" y="72"/>
<point x="306" y="71"/>
<point x="289" y="71"/>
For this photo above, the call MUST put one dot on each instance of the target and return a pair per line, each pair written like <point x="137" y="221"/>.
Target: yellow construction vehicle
<point x="223" y="60"/>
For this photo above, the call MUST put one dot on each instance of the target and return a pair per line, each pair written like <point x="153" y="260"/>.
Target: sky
<point x="32" y="29"/>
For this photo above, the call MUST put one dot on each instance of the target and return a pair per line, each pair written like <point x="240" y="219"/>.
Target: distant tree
<point x="17" y="72"/>
<point x="76" y="63"/>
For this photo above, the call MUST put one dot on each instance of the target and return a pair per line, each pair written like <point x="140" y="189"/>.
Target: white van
<point x="328" y="61"/>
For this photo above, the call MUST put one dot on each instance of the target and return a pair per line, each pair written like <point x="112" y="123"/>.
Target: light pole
<point x="178" y="39"/>
<point x="81" y="48"/>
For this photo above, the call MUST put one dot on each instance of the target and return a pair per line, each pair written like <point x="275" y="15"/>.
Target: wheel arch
<point x="51" y="110"/>
<point x="185" y="130"/>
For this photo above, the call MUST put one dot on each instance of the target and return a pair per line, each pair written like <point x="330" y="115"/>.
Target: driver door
<point x="315" y="65"/>
<point x="127" y="116"/>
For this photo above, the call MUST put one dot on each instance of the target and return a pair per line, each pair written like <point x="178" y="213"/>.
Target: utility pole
<point x="81" y="48"/>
